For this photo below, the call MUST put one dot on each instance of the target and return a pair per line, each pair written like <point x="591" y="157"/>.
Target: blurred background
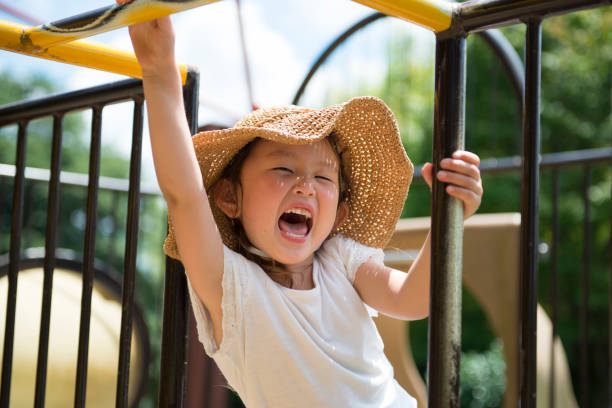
<point x="391" y="59"/>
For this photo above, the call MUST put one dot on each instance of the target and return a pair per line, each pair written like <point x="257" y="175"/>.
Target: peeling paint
<point x="27" y="45"/>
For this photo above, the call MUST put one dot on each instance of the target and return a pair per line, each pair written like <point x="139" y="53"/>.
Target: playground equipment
<point x="63" y="337"/>
<point x="452" y="23"/>
<point x="492" y="277"/>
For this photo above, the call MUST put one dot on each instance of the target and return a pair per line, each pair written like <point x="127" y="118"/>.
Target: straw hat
<point x="372" y="155"/>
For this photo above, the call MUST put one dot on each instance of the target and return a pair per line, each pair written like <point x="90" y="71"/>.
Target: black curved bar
<point x="331" y="48"/>
<point x="498" y="43"/>
<point x="511" y="61"/>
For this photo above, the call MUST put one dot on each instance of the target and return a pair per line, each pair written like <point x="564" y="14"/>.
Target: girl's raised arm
<point x="176" y="166"/>
<point x="406" y="295"/>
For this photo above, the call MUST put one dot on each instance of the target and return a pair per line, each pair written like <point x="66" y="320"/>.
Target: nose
<point x="303" y="186"/>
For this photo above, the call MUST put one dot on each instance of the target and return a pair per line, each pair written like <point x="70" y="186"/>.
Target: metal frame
<point x="174" y="329"/>
<point x="451" y="22"/>
<point x="445" y="322"/>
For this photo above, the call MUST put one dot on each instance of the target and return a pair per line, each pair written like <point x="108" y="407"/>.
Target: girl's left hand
<point x="462" y="175"/>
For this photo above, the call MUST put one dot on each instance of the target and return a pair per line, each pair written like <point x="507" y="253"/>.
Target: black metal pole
<point x="50" y="246"/>
<point x="553" y="283"/>
<point x="446" y="229"/>
<point x="14" y="260"/>
<point x="530" y="186"/>
<point x="129" y="266"/>
<point x="88" y="257"/>
<point x="483" y="14"/>
<point x="610" y="320"/>
<point x="174" y="331"/>
<point x="70" y="101"/>
<point x="584" y="306"/>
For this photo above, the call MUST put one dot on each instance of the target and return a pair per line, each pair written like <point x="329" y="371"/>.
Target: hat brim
<point x="373" y="158"/>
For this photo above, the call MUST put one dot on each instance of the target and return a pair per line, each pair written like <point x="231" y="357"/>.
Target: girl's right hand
<point x="461" y="174"/>
<point x="153" y="43"/>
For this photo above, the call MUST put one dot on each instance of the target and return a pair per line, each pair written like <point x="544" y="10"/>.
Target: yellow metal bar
<point x="435" y="15"/>
<point x="82" y="52"/>
<point x="103" y="20"/>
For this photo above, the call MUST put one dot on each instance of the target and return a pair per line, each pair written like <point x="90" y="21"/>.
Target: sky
<point x="283" y="40"/>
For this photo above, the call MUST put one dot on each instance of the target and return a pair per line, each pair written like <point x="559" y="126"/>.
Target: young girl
<point x="279" y="222"/>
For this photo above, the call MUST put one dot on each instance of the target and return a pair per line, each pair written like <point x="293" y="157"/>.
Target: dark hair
<point x="232" y="173"/>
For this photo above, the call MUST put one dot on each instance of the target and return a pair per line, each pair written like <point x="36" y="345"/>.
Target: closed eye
<point x="324" y="178"/>
<point x="284" y="169"/>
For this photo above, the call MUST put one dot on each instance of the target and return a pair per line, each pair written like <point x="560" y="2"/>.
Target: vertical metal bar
<point x="3" y="210"/>
<point x="610" y="316"/>
<point x="584" y="307"/>
<point x="129" y="270"/>
<point x="553" y="281"/>
<point x="49" y="265"/>
<point x="172" y="373"/>
<point x="174" y="331"/>
<point x="113" y="234"/>
<point x="14" y="260"/>
<point x="88" y="257"/>
<point x="27" y="215"/>
<point x="447" y="228"/>
<point x="530" y="185"/>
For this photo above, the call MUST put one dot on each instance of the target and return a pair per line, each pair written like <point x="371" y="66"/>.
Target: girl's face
<point x="288" y="198"/>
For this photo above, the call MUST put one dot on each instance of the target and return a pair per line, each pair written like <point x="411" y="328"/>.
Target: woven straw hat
<point x="372" y="155"/>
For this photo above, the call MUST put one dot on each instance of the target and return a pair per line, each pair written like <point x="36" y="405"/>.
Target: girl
<point x="279" y="222"/>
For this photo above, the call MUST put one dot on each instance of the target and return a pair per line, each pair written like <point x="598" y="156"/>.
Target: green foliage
<point x="407" y="89"/>
<point x="492" y="113"/>
<point x="483" y="378"/>
<point x="14" y="90"/>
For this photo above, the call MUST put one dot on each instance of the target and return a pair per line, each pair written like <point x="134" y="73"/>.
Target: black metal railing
<point x="553" y="168"/>
<point x="445" y="325"/>
<point x="174" y="328"/>
<point x="449" y="117"/>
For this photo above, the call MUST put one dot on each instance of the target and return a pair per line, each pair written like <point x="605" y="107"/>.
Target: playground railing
<point x="452" y="23"/>
<point x="174" y="329"/>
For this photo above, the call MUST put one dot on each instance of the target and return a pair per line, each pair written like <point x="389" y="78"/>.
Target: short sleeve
<point x="352" y="254"/>
<point x="231" y="304"/>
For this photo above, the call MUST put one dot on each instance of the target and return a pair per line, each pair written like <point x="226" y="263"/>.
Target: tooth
<point x="299" y="211"/>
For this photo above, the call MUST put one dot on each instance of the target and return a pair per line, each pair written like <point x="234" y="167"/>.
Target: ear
<point x="341" y="214"/>
<point x="225" y="194"/>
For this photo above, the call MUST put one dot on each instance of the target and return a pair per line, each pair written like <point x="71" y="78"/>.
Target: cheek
<point x="329" y="194"/>
<point x="260" y="196"/>
<point x="328" y="199"/>
<point x="269" y="186"/>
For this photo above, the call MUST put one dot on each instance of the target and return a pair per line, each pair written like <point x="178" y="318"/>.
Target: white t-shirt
<point x="283" y="347"/>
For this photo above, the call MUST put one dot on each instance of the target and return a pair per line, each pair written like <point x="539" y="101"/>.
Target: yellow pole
<point x="103" y="20"/>
<point x="82" y="52"/>
<point x="435" y="15"/>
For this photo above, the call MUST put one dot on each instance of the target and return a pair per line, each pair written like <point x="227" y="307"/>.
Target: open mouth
<point x="295" y="222"/>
